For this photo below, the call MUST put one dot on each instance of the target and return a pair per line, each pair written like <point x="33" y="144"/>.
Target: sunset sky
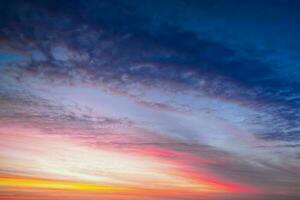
<point x="149" y="100"/>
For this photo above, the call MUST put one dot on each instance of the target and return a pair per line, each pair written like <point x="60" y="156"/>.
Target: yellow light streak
<point x="59" y="185"/>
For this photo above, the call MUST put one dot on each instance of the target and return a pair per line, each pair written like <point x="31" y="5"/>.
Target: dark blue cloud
<point x="242" y="51"/>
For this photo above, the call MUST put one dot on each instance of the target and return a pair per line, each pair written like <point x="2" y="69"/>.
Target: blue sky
<point x="222" y="76"/>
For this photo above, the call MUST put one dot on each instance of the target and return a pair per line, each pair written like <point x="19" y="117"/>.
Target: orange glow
<point x="82" y="190"/>
<point x="51" y="162"/>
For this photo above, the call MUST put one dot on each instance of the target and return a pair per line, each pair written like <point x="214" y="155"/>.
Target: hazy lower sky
<point x="149" y="100"/>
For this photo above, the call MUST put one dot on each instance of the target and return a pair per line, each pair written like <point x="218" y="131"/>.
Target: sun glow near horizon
<point x="59" y="162"/>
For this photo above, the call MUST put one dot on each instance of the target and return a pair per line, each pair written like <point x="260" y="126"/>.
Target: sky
<point x="149" y="100"/>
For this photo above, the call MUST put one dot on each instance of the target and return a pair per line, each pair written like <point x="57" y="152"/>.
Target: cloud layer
<point x="220" y="105"/>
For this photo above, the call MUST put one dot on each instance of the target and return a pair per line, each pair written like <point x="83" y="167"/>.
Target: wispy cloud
<point x="100" y="96"/>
